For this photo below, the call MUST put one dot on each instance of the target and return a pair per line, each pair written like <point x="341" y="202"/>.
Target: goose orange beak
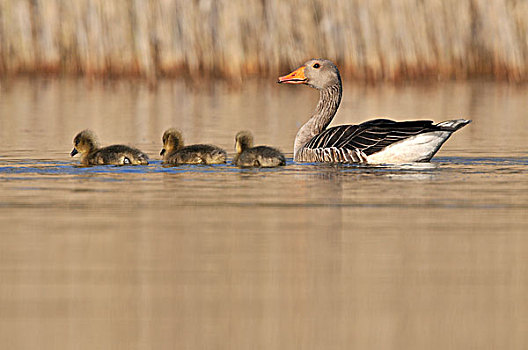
<point x="295" y="77"/>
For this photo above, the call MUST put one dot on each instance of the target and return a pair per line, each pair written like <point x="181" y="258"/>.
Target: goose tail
<point x="453" y="125"/>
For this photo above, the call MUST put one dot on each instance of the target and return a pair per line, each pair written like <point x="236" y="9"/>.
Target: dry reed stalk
<point x="370" y="39"/>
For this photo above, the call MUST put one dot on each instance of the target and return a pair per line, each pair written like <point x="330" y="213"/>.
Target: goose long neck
<point x="329" y="100"/>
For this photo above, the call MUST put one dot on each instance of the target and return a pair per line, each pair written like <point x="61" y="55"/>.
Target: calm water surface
<point x="430" y="256"/>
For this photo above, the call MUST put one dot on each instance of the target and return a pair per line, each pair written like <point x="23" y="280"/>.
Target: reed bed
<point x="371" y="40"/>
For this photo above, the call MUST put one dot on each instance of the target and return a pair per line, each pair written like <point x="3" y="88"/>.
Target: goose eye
<point x="317" y="65"/>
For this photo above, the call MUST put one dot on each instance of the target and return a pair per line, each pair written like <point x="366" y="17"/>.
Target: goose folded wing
<point x="369" y="137"/>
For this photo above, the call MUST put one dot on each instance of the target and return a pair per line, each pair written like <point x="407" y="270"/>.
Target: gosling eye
<point x="76" y="142"/>
<point x="317" y="65"/>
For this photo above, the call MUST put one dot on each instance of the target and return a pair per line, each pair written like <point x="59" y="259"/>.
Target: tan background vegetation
<point x="369" y="39"/>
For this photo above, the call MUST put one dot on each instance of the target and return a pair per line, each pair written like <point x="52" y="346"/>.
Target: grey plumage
<point x="373" y="141"/>
<point x="354" y="143"/>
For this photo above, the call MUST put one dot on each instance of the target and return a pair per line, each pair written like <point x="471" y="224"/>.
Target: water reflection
<point x="304" y="256"/>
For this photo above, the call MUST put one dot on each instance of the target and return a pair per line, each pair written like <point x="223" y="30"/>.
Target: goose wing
<point x="366" y="138"/>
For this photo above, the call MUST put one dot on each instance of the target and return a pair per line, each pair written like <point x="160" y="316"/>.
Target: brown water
<point x="303" y="257"/>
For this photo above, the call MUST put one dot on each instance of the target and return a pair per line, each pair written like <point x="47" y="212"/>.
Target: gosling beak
<point x="295" y="77"/>
<point x="74" y="152"/>
<point x="162" y="151"/>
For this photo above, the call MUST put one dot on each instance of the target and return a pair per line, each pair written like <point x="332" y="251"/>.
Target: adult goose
<point x="86" y="144"/>
<point x="376" y="141"/>
<point x="175" y="153"/>
<point x="259" y="156"/>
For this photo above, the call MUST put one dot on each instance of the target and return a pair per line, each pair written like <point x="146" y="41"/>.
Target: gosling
<point x="86" y="144"/>
<point x="260" y="156"/>
<point x="175" y="153"/>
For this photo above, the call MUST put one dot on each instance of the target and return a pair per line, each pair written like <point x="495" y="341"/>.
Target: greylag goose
<point x="85" y="143"/>
<point x="175" y="153"/>
<point x="375" y="141"/>
<point x="259" y="156"/>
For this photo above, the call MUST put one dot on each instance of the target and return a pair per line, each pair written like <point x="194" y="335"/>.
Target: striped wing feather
<point x="366" y="138"/>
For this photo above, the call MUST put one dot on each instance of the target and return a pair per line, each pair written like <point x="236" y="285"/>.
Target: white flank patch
<point x="413" y="149"/>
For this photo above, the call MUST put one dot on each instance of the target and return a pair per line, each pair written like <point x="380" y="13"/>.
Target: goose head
<point x="317" y="73"/>
<point x="243" y="140"/>
<point x="84" y="142"/>
<point x="172" y="140"/>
